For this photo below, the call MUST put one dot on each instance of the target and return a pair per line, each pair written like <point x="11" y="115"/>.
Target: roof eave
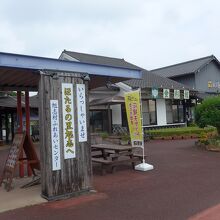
<point x="42" y="63"/>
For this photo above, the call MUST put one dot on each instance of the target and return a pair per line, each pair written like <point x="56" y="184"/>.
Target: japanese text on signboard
<point x="55" y="135"/>
<point x="132" y="103"/>
<point x="68" y="121"/>
<point x="81" y="112"/>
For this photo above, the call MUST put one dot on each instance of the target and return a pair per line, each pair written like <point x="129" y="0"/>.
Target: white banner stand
<point x="143" y="166"/>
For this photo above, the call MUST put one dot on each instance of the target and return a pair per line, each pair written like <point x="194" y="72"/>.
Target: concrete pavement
<point x="185" y="184"/>
<point x="18" y="197"/>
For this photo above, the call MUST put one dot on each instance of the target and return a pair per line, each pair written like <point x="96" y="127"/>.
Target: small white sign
<point x="68" y="121"/>
<point x="176" y="94"/>
<point x="55" y="135"/>
<point x="81" y="112"/>
<point x="155" y="93"/>
<point x="166" y="93"/>
<point x="186" y="94"/>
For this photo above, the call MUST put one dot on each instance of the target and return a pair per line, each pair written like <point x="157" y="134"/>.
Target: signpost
<point x="134" y="115"/>
<point x="12" y="159"/>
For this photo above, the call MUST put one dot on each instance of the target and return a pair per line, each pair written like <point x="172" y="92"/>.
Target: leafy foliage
<point x="208" y="113"/>
<point x="165" y="132"/>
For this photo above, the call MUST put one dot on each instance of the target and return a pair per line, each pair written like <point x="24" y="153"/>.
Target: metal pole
<point x="142" y="126"/>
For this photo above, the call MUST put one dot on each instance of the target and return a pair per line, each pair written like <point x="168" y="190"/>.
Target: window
<point x="124" y="116"/>
<point x="98" y="120"/>
<point x="174" y="111"/>
<point x="149" y="112"/>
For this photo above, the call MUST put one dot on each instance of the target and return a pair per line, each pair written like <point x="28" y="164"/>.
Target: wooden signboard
<point x="12" y="159"/>
<point x="21" y="142"/>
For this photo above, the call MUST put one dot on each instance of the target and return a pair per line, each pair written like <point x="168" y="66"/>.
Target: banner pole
<point x="143" y="150"/>
<point x="143" y="166"/>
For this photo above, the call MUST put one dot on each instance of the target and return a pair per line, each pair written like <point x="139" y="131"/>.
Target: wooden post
<point x="1" y="136"/>
<point x="74" y="178"/>
<point x="27" y="114"/>
<point x="19" y="112"/>
<point x="12" y="125"/>
<point x="7" y="127"/>
<point x="20" y="129"/>
<point x="109" y="120"/>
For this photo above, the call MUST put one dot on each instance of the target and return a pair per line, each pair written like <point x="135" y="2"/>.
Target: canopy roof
<point x="22" y="72"/>
<point x="109" y="100"/>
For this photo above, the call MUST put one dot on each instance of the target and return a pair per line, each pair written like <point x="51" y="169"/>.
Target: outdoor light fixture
<point x="86" y="77"/>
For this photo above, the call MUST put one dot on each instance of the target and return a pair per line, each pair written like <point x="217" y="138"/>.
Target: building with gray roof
<point x="157" y="110"/>
<point x="202" y="74"/>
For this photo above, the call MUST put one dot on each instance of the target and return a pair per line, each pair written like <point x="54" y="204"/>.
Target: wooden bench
<point x="111" y="164"/>
<point x="104" y="164"/>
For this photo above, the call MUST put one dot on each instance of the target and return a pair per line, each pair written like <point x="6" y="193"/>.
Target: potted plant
<point x="125" y="139"/>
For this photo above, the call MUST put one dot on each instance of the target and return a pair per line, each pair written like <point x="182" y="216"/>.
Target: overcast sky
<point x="148" y="33"/>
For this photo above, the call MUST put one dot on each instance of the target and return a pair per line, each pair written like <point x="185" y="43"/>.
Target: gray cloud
<point x="145" y="32"/>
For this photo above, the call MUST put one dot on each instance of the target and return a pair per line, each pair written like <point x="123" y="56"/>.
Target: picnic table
<point x="112" y="155"/>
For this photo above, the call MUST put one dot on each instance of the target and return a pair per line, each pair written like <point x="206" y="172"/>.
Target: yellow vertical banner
<point x="133" y="110"/>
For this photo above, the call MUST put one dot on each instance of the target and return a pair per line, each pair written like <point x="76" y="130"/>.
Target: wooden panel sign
<point x="68" y="121"/>
<point x="13" y="157"/>
<point x="81" y="112"/>
<point x="55" y="135"/>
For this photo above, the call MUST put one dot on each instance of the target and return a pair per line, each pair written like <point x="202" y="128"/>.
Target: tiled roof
<point x="184" y="68"/>
<point x="152" y="80"/>
<point x="149" y="79"/>
<point x="100" y="60"/>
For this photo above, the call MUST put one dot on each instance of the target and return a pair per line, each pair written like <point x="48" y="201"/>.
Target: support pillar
<point x="1" y="136"/>
<point x="27" y="114"/>
<point x="12" y="125"/>
<point x="7" y="127"/>
<point x="20" y="129"/>
<point x="109" y="120"/>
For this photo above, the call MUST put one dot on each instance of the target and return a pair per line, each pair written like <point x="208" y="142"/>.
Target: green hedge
<point x="186" y="131"/>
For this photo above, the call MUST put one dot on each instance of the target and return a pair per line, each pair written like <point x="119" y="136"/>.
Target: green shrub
<point x="126" y="137"/>
<point x="186" y="131"/>
<point x="104" y="135"/>
<point x="208" y="113"/>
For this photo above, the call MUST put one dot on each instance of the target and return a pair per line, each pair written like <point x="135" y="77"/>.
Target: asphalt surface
<point x="184" y="183"/>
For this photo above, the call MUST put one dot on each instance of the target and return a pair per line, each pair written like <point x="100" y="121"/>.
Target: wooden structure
<point x="113" y="155"/>
<point x="28" y="73"/>
<point x="21" y="142"/>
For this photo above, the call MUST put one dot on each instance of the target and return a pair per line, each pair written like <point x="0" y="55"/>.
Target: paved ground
<point x="184" y="183"/>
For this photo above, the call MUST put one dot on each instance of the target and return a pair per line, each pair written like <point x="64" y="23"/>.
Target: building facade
<point x="202" y="74"/>
<point x="107" y="108"/>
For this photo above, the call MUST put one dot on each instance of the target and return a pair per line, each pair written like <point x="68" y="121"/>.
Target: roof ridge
<point x="189" y="61"/>
<point x="94" y="55"/>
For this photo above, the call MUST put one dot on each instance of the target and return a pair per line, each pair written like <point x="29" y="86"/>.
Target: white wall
<point x="161" y="112"/>
<point x="116" y="114"/>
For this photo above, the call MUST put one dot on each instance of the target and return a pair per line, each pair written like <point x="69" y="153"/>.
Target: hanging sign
<point x="155" y="93"/>
<point x="68" y="121"/>
<point x="55" y="135"/>
<point x="81" y="112"/>
<point x="210" y="84"/>
<point x="133" y="110"/>
<point x="186" y="94"/>
<point x="166" y="93"/>
<point x="176" y="94"/>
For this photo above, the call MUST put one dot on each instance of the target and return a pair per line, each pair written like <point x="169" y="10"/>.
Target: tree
<point x="208" y="113"/>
